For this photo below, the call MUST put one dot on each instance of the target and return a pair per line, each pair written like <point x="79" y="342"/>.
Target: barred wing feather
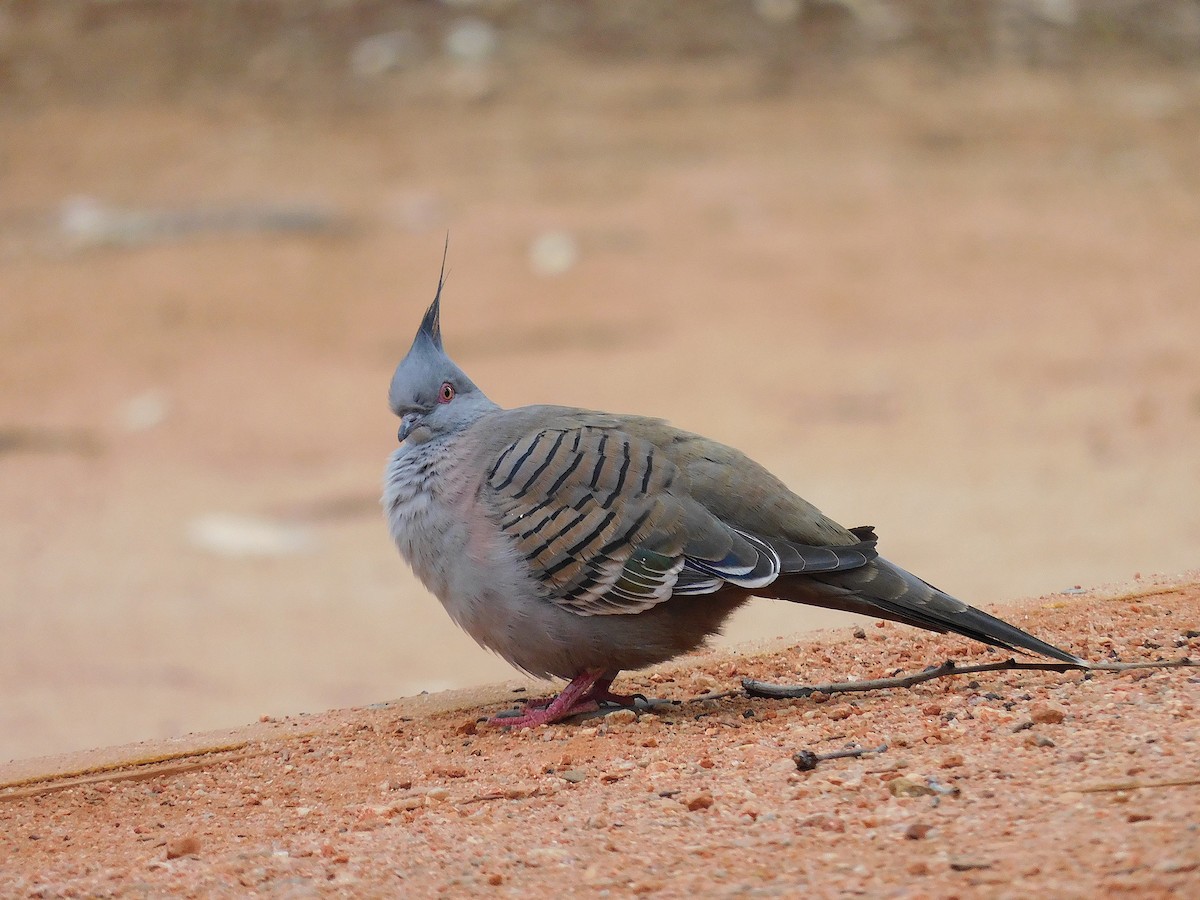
<point x="606" y="524"/>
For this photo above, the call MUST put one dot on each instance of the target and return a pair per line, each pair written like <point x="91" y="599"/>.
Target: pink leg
<point x="601" y="694"/>
<point x="585" y="693"/>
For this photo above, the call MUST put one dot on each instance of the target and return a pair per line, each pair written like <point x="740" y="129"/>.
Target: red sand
<point x="1012" y="784"/>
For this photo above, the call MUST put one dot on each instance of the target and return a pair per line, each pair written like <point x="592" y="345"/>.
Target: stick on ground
<point x="945" y="670"/>
<point x="806" y="760"/>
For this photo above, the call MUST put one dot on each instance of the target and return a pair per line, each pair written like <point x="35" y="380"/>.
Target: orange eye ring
<point x="446" y="393"/>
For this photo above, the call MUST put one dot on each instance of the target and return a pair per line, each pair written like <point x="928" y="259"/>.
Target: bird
<point x="577" y="544"/>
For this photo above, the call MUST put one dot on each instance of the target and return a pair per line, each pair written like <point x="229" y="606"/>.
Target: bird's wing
<point x="608" y="524"/>
<point x="748" y="497"/>
<point x="743" y="493"/>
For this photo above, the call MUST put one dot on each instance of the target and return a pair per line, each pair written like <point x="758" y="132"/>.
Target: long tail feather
<point x="885" y="590"/>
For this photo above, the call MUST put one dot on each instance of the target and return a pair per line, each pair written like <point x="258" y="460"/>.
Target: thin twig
<point x="510" y="794"/>
<point x="946" y="669"/>
<point x="1134" y="785"/>
<point x="806" y="760"/>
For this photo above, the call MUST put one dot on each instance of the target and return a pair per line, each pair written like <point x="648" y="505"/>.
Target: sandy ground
<point x="993" y="785"/>
<point x="958" y="306"/>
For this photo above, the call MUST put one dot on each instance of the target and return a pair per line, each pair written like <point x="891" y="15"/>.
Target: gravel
<point x="695" y="799"/>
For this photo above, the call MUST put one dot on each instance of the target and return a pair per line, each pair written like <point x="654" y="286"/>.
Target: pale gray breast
<point x="420" y="497"/>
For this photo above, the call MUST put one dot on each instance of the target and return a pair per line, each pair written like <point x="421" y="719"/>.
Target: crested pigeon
<point x="576" y="544"/>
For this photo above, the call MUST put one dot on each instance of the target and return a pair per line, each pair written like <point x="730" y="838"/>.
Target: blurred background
<point x="936" y="264"/>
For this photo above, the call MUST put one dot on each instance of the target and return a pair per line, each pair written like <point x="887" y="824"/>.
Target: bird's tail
<point x="883" y="590"/>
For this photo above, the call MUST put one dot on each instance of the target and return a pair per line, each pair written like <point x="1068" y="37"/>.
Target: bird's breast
<point x="420" y="496"/>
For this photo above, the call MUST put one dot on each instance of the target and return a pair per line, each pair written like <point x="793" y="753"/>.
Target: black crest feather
<point x="431" y="325"/>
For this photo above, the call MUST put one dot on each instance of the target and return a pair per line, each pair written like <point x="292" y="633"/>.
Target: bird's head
<point x="432" y="396"/>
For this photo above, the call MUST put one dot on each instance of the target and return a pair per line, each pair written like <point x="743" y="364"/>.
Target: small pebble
<point x="697" y="801"/>
<point x="906" y="787"/>
<point x="702" y="683"/>
<point x="967" y="863"/>
<point x="1047" y="714"/>
<point x="917" y="831"/>
<point x="184" y="846"/>
<point x="621" y="717"/>
<point x="573" y="775"/>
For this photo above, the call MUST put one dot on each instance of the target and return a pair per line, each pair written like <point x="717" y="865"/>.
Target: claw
<point x="586" y="692"/>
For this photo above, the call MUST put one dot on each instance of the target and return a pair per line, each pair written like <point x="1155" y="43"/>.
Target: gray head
<point x="432" y="396"/>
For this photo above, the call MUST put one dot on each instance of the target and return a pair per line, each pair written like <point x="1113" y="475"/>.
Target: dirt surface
<point x="958" y="304"/>
<point x="1007" y="784"/>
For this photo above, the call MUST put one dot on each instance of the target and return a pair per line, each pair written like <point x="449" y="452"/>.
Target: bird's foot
<point x="544" y="715"/>
<point x="586" y="692"/>
<point x="602" y="697"/>
<point x="607" y="696"/>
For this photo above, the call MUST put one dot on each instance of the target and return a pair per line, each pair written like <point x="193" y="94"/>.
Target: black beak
<point x="407" y="424"/>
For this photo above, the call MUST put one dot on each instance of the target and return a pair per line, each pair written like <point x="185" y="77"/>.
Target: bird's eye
<point x="446" y="394"/>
